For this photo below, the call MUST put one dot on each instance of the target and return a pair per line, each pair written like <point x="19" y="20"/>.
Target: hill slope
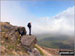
<point x="14" y="41"/>
<point x="56" y="41"/>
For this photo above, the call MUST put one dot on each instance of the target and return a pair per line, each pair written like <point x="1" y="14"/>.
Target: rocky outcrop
<point x="28" y="41"/>
<point x="11" y="32"/>
<point x="21" y="30"/>
<point x="7" y="27"/>
<point x="14" y="38"/>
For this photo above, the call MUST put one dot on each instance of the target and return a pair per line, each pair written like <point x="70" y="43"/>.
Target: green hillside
<point x="61" y="42"/>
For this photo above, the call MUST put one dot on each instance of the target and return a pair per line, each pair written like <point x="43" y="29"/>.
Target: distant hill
<point x="56" y="41"/>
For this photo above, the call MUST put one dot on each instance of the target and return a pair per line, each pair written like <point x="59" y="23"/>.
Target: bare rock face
<point x="28" y="41"/>
<point x="21" y="30"/>
<point x="14" y="40"/>
<point x="12" y="32"/>
<point x="16" y="34"/>
<point x="7" y="27"/>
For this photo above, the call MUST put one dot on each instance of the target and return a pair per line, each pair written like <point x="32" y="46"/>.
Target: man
<point x="29" y="26"/>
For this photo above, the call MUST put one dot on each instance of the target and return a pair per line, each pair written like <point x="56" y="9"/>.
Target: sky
<point x="52" y="16"/>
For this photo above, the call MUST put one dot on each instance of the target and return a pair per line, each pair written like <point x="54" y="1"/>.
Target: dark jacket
<point x="29" y="25"/>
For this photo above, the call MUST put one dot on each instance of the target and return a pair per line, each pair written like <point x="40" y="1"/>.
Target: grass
<point x="39" y="50"/>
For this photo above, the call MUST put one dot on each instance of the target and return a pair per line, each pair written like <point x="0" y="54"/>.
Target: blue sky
<point x="46" y="16"/>
<point x="46" y="8"/>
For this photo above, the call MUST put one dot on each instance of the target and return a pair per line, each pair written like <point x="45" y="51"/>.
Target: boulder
<point x="21" y="30"/>
<point x="28" y="41"/>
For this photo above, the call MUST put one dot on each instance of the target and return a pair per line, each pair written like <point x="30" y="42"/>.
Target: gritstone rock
<point x="7" y="27"/>
<point x="12" y="32"/>
<point x="28" y="41"/>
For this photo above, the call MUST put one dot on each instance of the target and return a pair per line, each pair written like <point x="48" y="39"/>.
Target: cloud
<point x="12" y="11"/>
<point x="62" y="23"/>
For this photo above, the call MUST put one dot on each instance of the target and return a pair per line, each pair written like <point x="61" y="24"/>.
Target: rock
<point x="21" y="30"/>
<point x="15" y="38"/>
<point x="12" y="32"/>
<point x="7" y="27"/>
<point x="28" y="41"/>
<point x="7" y="22"/>
<point x="36" y="52"/>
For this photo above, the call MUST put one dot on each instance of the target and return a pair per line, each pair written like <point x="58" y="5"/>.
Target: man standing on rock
<point x="29" y="26"/>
